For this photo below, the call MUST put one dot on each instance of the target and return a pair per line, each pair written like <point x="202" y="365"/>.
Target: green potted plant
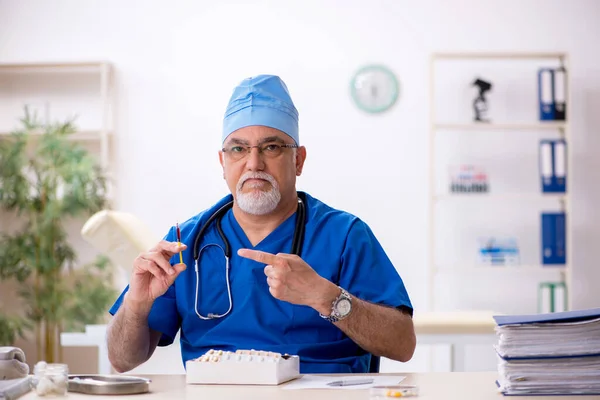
<point x="46" y="180"/>
<point x="10" y="328"/>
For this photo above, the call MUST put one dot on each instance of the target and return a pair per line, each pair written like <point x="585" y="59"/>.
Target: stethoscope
<point x="297" y="242"/>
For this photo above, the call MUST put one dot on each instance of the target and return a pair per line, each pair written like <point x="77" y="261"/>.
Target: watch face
<point x="343" y="307"/>
<point x="374" y="88"/>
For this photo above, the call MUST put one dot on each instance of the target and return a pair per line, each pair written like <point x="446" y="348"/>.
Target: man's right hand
<point x="153" y="274"/>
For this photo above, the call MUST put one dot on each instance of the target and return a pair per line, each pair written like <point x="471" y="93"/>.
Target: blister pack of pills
<point x="393" y="391"/>
<point x="244" y="367"/>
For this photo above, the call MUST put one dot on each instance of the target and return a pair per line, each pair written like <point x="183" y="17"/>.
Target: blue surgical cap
<point x="261" y="100"/>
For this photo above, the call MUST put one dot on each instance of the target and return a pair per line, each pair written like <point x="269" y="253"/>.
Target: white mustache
<point x="256" y="175"/>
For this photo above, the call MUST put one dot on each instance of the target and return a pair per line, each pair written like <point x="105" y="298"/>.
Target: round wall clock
<point x="374" y="88"/>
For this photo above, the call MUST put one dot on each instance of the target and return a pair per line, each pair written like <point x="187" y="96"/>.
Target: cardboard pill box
<point x="244" y="367"/>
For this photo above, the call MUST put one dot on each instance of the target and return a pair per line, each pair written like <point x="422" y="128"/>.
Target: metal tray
<point x="108" y="384"/>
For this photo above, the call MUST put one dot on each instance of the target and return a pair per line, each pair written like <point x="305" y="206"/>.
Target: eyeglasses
<point x="269" y="150"/>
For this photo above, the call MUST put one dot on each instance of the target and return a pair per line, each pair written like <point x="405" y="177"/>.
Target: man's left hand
<point x="291" y="279"/>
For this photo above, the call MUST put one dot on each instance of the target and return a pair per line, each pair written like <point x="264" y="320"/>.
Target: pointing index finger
<point x="260" y="256"/>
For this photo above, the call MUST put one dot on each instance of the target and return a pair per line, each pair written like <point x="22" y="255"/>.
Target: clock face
<point x="343" y="307"/>
<point x="374" y="88"/>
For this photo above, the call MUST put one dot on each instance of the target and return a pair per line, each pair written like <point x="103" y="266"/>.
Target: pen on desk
<point x="179" y="242"/>
<point x="351" y="382"/>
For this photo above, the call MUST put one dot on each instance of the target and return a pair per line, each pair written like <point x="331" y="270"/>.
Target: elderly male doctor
<point x="334" y="304"/>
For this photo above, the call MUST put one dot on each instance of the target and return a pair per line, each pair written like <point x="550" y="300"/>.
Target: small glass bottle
<point x="51" y="379"/>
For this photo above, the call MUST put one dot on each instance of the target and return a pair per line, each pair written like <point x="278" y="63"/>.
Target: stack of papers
<point x="543" y="354"/>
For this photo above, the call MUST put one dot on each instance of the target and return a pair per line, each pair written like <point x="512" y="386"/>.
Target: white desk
<point x="432" y="386"/>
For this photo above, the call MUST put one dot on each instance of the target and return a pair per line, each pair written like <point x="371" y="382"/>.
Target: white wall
<point x="178" y="61"/>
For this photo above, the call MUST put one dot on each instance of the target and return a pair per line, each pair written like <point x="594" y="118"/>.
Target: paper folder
<point x="560" y="89"/>
<point x="565" y="316"/>
<point x="554" y="238"/>
<point x="546" y="94"/>
<point x="553" y="165"/>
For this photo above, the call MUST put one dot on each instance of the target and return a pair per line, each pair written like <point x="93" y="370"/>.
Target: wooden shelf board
<point x="552" y="125"/>
<point x="84" y="135"/>
<point x="525" y="268"/>
<point x="500" y="196"/>
<point x="500" y="55"/>
<point x="54" y="67"/>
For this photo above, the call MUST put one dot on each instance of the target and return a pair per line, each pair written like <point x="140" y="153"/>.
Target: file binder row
<point x="553" y="165"/>
<point x="552" y="91"/>
<point x="553" y="175"/>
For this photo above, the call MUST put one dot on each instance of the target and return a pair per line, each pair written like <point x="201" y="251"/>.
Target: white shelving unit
<point x="469" y="270"/>
<point x="20" y="82"/>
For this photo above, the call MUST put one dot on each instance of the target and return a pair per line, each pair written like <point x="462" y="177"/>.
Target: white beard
<point x="258" y="202"/>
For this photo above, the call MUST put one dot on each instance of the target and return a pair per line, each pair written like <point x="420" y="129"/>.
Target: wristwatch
<point x="340" y="308"/>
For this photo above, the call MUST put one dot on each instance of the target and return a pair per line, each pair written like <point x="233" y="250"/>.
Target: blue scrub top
<point x="337" y="245"/>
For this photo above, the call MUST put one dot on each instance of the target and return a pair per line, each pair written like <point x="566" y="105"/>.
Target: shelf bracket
<point x="563" y="204"/>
